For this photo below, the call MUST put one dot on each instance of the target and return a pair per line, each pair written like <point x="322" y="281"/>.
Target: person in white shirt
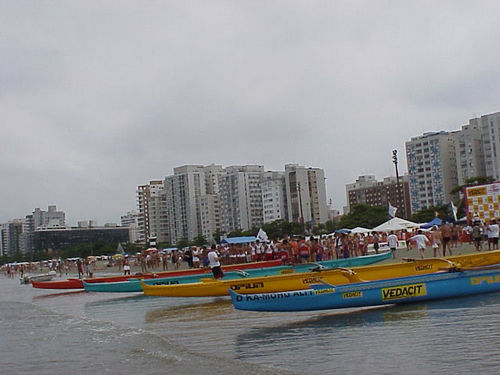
<point x="392" y="241"/>
<point x="214" y="263"/>
<point x="420" y="240"/>
<point x="493" y="234"/>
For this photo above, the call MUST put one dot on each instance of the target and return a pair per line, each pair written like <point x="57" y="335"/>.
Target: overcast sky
<point x="98" y="97"/>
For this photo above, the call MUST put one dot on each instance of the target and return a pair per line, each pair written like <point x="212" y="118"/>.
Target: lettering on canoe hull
<point x="247" y="286"/>
<point x="322" y="291"/>
<point x="485" y="280"/>
<point x="311" y="280"/>
<point x="403" y="291"/>
<point x="352" y="294"/>
<point x="284" y="272"/>
<point x="424" y="267"/>
<point x="171" y="282"/>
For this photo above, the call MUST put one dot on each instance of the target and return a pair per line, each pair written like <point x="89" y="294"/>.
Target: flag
<point x="392" y="210"/>
<point x="119" y="249"/>
<point x="262" y="236"/>
<point x="454" y="211"/>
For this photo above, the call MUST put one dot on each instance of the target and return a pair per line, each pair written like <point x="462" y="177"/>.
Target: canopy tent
<point x="396" y="223"/>
<point x="436" y="221"/>
<point x="237" y="240"/>
<point x="360" y="230"/>
<point x="343" y="230"/>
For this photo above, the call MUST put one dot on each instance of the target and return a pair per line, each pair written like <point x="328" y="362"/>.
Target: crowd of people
<point x="291" y="250"/>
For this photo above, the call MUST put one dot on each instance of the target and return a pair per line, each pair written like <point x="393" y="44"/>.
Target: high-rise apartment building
<point x="274" y="203"/>
<point x="306" y="194"/>
<point x="11" y="235"/>
<point x="131" y="220"/>
<point x="469" y="151"/>
<point x="184" y="191"/>
<point x="152" y="212"/>
<point x="367" y="190"/>
<point x="210" y="216"/>
<point x="241" y="197"/>
<point x="490" y="132"/>
<point x="432" y="168"/>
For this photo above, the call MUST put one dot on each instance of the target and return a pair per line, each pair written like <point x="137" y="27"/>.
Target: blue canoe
<point x="133" y="285"/>
<point x="456" y="283"/>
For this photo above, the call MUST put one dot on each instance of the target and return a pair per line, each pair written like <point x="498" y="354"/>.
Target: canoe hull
<point x="78" y="284"/>
<point x="280" y="283"/>
<point x="392" y="291"/>
<point x="133" y="285"/>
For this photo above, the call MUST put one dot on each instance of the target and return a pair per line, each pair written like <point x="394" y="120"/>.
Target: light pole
<point x="400" y="204"/>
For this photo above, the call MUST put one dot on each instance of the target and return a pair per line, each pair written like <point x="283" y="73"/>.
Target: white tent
<point x="360" y="230"/>
<point x="396" y="223"/>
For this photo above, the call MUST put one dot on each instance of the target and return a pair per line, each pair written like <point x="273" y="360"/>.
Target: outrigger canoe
<point x="340" y="276"/>
<point x="454" y="283"/>
<point x="133" y="285"/>
<point x="74" y="283"/>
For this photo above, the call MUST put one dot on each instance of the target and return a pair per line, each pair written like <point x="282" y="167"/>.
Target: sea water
<point x="75" y="332"/>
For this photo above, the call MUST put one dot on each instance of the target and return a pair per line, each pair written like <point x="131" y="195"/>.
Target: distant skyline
<point x="98" y="97"/>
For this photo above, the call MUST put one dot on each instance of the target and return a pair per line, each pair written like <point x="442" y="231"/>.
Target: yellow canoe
<point x="296" y="281"/>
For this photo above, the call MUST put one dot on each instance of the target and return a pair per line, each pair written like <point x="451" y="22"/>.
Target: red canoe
<point x="73" y="283"/>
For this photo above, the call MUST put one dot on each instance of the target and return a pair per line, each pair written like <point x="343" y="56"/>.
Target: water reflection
<point x="189" y="311"/>
<point x="59" y="294"/>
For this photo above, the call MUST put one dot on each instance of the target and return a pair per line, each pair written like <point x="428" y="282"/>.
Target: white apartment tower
<point x="469" y="152"/>
<point x="152" y="212"/>
<point x="241" y="197"/>
<point x="490" y="131"/>
<point x="306" y="194"/>
<point x="274" y="203"/>
<point x="432" y="168"/>
<point x="210" y="216"/>
<point x="184" y="190"/>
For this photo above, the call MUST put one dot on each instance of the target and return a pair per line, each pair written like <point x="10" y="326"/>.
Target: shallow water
<point x="47" y="331"/>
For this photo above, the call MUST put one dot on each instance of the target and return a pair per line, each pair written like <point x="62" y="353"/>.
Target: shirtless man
<point x="436" y="240"/>
<point x="446" y="238"/>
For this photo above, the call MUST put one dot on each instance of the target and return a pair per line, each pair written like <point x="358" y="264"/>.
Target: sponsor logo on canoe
<point x="327" y="290"/>
<point x="352" y="294"/>
<point x="423" y="267"/>
<point x="283" y="272"/>
<point x="247" y="286"/>
<point x="403" y="291"/>
<point x="172" y="282"/>
<point x="484" y="280"/>
<point x="311" y="280"/>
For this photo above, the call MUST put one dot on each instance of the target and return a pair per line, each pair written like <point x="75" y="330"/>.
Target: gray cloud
<point x="99" y="97"/>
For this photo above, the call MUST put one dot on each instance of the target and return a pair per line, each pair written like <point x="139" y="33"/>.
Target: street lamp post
<point x="400" y="204"/>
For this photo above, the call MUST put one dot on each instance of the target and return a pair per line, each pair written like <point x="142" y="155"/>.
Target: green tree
<point x="427" y="214"/>
<point x="200" y="241"/>
<point x="182" y="243"/>
<point x="362" y="215"/>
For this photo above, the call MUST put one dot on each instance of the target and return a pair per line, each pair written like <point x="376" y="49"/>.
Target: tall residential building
<point x="210" y="216"/>
<point x="469" y="151"/>
<point x="241" y="197"/>
<point x="11" y="237"/>
<point x="131" y="220"/>
<point x="367" y="190"/>
<point x="490" y="132"/>
<point x="183" y="191"/>
<point x="274" y="203"/>
<point x="432" y="168"/>
<point x="152" y="212"/>
<point x="306" y="194"/>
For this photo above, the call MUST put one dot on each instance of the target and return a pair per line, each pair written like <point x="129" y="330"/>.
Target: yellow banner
<point x="474" y="192"/>
<point x="403" y="291"/>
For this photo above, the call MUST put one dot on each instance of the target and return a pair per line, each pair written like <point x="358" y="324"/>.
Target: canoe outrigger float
<point x="456" y="282"/>
<point x="340" y="276"/>
<point x="74" y="283"/>
<point x="133" y="285"/>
